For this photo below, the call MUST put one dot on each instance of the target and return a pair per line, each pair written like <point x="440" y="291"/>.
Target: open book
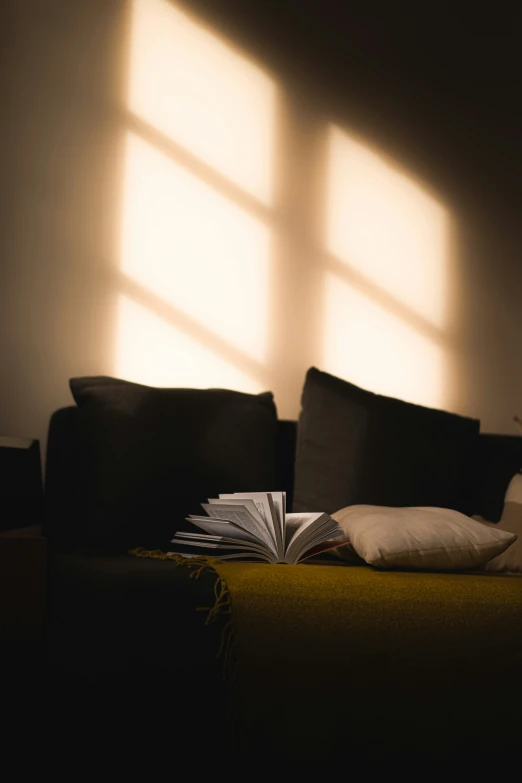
<point x="255" y="526"/>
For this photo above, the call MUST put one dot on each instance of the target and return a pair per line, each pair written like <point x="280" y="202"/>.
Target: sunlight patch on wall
<point x="151" y="351"/>
<point x="369" y="346"/>
<point x="193" y="248"/>
<point x="189" y="84"/>
<point x="384" y="226"/>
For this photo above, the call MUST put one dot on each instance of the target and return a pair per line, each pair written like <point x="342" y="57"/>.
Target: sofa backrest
<point x="67" y="482"/>
<point x="67" y="471"/>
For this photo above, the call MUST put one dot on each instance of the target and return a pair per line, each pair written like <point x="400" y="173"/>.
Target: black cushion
<point x="355" y="446"/>
<point x="154" y="454"/>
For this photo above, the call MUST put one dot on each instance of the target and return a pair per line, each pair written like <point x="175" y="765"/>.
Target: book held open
<point x="255" y="526"/>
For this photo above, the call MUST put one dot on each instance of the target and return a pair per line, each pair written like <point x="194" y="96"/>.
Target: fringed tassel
<point x="200" y="563"/>
<point x="222" y="603"/>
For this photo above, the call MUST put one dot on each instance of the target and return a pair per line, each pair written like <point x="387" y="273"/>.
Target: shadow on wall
<point x="184" y="207"/>
<point x="258" y="238"/>
<point x="60" y="75"/>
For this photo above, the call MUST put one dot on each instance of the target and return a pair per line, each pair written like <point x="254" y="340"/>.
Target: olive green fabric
<point x="348" y="662"/>
<point x="329" y="665"/>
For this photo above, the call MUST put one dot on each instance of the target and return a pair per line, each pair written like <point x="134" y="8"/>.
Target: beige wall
<point x="65" y="168"/>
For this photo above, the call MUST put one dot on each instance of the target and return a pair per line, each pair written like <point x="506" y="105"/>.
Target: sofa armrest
<point x="499" y="458"/>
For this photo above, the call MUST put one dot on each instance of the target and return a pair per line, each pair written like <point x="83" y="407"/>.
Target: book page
<point x="203" y="539"/>
<point x="221" y="527"/>
<point x="303" y="549"/>
<point x="263" y="506"/>
<point x="309" y="529"/>
<point x="328" y="528"/>
<point x="222" y="546"/>
<point x="324" y="546"/>
<point x="249" y="504"/>
<point x="278" y="499"/>
<point x="226" y="555"/>
<point x="299" y="522"/>
<point x="237" y="514"/>
<point x="276" y="514"/>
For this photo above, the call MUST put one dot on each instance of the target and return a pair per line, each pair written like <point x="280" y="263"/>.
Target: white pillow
<point x="427" y="538"/>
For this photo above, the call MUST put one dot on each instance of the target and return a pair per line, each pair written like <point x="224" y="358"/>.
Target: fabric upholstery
<point x="426" y="539"/>
<point x="356" y="447"/>
<point x="345" y="664"/>
<point x="152" y="455"/>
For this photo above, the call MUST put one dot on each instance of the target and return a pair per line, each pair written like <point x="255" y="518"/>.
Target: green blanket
<point x="338" y="660"/>
<point x="332" y="661"/>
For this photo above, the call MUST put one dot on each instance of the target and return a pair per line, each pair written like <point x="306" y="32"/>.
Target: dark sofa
<point x="128" y="659"/>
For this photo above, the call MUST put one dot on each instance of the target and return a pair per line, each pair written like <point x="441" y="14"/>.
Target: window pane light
<point x="195" y="249"/>
<point x="383" y="225"/>
<point x="386" y="284"/>
<point x="152" y="351"/>
<point x="373" y="348"/>
<point x="192" y="86"/>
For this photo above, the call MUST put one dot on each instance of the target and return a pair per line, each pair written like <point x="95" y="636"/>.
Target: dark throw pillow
<point x="152" y="455"/>
<point x="357" y="447"/>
